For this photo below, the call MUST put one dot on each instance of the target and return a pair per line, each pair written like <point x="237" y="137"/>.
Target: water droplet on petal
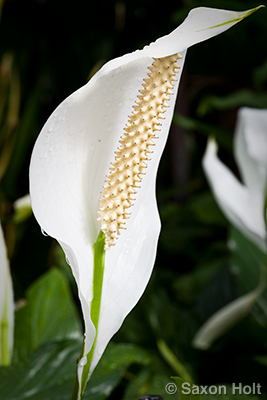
<point x="44" y="232"/>
<point x="82" y="361"/>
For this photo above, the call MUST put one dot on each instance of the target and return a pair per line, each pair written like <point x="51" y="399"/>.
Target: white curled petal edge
<point x="250" y="145"/>
<point x="234" y="199"/>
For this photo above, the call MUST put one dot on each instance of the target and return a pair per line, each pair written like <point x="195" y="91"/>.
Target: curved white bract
<point x="243" y="203"/>
<point x="71" y="161"/>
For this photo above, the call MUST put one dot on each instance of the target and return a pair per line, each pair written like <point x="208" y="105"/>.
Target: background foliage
<point x="48" y="49"/>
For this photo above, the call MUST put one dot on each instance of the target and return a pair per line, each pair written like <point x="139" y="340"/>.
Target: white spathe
<point x="243" y="203"/>
<point x="71" y="159"/>
<point x="6" y="306"/>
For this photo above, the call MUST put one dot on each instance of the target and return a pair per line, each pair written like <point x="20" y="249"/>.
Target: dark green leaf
<point x="112" y="368"/>
<point x="48" y="373"/>
<point x="237" y="99"/>
<point x="206" y="210"/>
<point x="249" y="266"/>
<point x="49" y="314"/>
<point x="191" y="124"/>
<point x="154" y="380"/>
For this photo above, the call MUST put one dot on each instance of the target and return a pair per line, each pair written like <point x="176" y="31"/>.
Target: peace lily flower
<point x="243" y="203"/>
<point x="6" y="306"/>
<point x="91" y="176"/>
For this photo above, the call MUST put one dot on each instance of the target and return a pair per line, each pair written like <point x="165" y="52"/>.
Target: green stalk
<point x="5" y="354"/>
<point x="173" y="361"/>
<point x="98" y="274"/>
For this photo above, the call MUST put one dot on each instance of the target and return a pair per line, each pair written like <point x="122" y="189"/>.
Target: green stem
<point x="5" y="353"/>
<point x="173" y="361"/>
<point x="75" y="390"/>
<point x="98" y="274"/>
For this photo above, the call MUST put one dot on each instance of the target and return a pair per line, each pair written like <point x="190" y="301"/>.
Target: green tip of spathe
<point x="239" y="18"/>
<point x="246" y="14"/>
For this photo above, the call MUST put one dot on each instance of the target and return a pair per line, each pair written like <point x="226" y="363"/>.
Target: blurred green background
<point x="48" y="49"/>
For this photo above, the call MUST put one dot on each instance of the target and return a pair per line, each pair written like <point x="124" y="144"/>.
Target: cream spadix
<point x="131" y="158"/>
<point x="88" y="163"/>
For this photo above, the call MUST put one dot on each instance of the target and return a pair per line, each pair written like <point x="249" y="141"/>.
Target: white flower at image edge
<point x="243" y="203"/>
<point x="6" y="306"/>
<point x="72" y="158"/>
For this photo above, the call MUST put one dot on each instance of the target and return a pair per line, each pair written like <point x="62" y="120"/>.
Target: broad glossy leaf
<point x="49" y="372"/>
<point x="49" y="314"/>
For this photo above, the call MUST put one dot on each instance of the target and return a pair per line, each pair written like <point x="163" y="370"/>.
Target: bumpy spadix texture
<point x="131" y="157"/>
